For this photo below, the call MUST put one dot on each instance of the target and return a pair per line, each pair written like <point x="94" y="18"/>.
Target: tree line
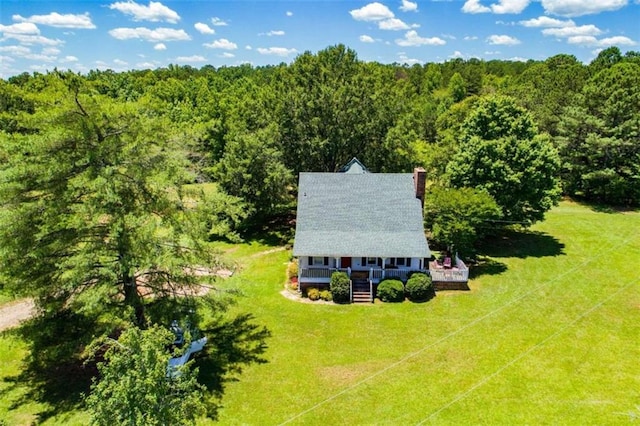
<point x="98" y="210"/>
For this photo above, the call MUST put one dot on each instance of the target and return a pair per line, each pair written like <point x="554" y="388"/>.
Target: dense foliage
<point x="340" y="287"/>
<point x="419" y="287"/>
<point x="134" y="387"/>
<point x="390" y="290"/>
<point x="458" y="218"/>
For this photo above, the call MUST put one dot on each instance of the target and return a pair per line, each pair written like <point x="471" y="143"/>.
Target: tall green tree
<point x="458" y="218"/>
<point x="501" y="153"/>
<point x="94" y="208"/>
<point x="599" y="137"/>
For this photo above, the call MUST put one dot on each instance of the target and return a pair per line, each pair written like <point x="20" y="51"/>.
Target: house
<point x="369" y="225"/>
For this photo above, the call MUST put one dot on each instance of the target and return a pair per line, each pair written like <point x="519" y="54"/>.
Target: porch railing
<point x="458" y="273"/>
<point x="320" y="272"/>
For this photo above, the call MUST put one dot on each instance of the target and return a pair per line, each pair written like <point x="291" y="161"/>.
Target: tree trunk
<point x="132" y="298"/>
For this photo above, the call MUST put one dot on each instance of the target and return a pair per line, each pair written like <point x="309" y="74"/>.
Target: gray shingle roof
<point x="355" y="215"/>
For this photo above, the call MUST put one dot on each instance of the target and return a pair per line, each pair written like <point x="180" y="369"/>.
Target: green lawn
<point x="548" y="334"/>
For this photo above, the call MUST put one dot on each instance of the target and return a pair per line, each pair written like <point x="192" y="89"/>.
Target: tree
<point x="599" y="138"/>
<point x="458" y="218"/>
<point x="95" y="213"/>
<point x="99" y="225"/>
<point x="136" y="388"/>
<point x="252" y="169"/>
<point x="501" y="153"/>
<point x="457" y="87"/>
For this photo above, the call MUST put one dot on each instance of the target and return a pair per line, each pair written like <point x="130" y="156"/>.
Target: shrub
<point x="391" y="291"/>
<point x="313" y="293"/>
<point x="340" y="287"/>
<point x="419" y="287"/>
<point x="326" y="295"/>
<point x="292" y="270"/>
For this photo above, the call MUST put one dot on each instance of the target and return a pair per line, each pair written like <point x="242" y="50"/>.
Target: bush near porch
<point x="419" y="287"/>
<point x="340" y="287"/>
<point x="391" y="291"/>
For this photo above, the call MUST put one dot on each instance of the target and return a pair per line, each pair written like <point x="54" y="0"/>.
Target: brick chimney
<point x="419" y="183"/>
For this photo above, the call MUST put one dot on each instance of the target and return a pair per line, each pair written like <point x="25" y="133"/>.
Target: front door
<point x="345" y="262"/>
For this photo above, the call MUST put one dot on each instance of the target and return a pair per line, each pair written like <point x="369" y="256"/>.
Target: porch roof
<point x="355" y="215"/>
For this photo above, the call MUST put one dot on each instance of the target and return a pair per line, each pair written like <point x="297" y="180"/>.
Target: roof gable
<point x="354" y="166"/>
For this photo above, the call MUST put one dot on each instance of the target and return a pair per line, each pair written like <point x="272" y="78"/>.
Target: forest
<point x="251" y="130"/>
<point x="115" y="181"/>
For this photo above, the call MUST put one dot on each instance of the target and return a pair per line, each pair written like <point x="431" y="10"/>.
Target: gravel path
<point x="13" y="313"/>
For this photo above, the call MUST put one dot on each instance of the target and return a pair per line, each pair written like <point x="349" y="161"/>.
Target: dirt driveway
<point x="13" y="313"/>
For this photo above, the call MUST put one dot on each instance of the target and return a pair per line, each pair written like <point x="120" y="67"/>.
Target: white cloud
<point x="217" y="22"/>
<point x="372" y="12"/>
<point x="404" y="59"/>
<point x="15" y="50"/>
<point x="155" y="12"/>
<point x="146" y="65"/>
<point x="160" y="46"/>
<point x="6" y="59"/>
<point x="193" y="58"/>
<point x="68" y="59"/>
<point x="492" y="52"/>
<point x="503" y="40"/>
<point x="546" y="22"/>
<point x="120" y="62"/>
<point x="60" y="21"/>
<point x="276" y="51"/>
<point x="474" y="6"/>
<point x="275" y="33"/>
<point x="411" y="38"/>
<point x="605" y="42"/>
<point x="509" y="6"/>
<point x="409" y="6"/>
<point x="157" y="35"/>
<point x="33" y="39"/>
<point x="289" y="13"/>
<point x="392" y="24"/>
<point x="248" y="47"/>
<point x="456" y="54"/>
<point x="50" y="51"/>
<point x="616" y="41"/>
<point x="20" y="28"/>
<point x="583" y="30"/>
<point x="203" y="28"/>
<point x="223" y="43"/>
<point x="501" y="7"/>
<point x="470" y="38"/>
<point x="367" y="39"/>
<point x="581" y="7"/>
<point x="227" y="55"/>
<point x="518" y="59"/>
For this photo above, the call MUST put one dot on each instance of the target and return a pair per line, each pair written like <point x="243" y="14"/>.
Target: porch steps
<point x="361" y="291"/>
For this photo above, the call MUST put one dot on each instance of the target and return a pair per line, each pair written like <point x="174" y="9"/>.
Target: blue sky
<point x="82" y="35"/>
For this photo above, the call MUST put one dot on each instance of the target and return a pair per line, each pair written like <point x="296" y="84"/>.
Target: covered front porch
<point x="318" y="270"/>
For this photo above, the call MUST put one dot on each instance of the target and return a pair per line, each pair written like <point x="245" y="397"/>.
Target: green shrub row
<point x="314" y="294"/>
<point x="419" y="288"/>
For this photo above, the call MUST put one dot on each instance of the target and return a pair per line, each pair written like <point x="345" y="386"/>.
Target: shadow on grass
<point x="486" y="266"/>
<point x="521" y="244"/>
<point x="510" y="243"/>
<point x="606" y="208"/>
<point x="53" y="373"/>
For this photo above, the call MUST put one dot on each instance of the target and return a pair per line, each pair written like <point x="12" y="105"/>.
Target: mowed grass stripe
<point x="535" y="291"/>
<point x="525" y="353"/>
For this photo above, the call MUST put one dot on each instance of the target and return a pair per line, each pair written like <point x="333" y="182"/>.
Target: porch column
<point x="383" y="262"/>
<point x="338" y="262"/>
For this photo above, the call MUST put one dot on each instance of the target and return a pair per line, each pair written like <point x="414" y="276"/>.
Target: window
<point x="318" y="261"/>
<point x="400" y="261"/>
<point x="372" y="260"/>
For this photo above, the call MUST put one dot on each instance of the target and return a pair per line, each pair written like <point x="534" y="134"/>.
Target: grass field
<point x="548" y="334"/>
